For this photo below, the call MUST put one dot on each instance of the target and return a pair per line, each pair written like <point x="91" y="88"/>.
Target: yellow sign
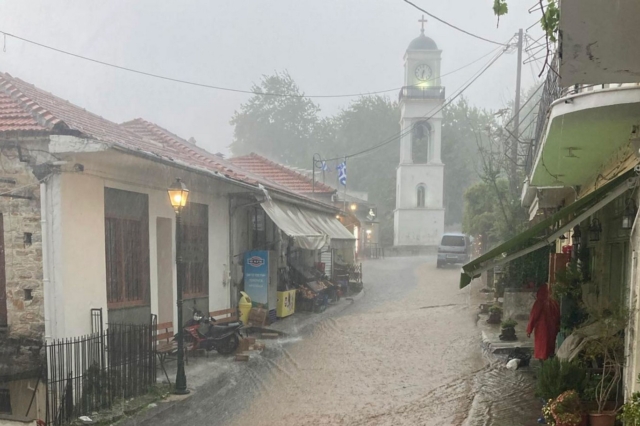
<point x="286" y="303"/>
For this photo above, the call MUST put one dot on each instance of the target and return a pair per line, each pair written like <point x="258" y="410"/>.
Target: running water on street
<point x="408" y="352"/>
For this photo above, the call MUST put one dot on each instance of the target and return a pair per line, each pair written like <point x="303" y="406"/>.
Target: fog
<point x="328" y="47"/>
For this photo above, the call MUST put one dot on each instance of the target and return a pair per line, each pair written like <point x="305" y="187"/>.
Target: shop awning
<point x="292" y="222"/>
<point x="540" y="235"/>
<point x="339" y="235"/>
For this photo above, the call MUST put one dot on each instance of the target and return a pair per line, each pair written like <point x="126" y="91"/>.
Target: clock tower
<point x="419" y="214"/>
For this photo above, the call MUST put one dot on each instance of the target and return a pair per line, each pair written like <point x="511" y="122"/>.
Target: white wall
<point x="418" y="227"/>
<point x="76" y="218"/>
<point x="410" y="176"/>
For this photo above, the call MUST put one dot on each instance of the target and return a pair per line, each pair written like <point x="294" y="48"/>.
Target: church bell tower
<point x="419" y="214"/>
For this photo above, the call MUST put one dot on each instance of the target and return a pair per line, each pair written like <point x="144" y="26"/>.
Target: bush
<point x="556" y="377"/>
<point x="631" y="410"/>
<point x="566" y="409"/>
<point x="495" y="309"/>
<point x="510" y="323"/>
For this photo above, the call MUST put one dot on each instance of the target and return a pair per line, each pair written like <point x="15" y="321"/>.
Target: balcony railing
<point x="417" y="92"/>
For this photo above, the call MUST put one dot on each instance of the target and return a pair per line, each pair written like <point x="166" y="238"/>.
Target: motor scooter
<point x="202" y="332"/>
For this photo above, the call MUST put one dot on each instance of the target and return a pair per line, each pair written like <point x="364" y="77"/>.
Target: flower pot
<point x="602" y="419"/>
<point x="508" y="334"/>
<point x="494" y="318"/>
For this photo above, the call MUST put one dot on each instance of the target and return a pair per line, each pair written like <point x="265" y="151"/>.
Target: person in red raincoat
<point x="544" y="320"/>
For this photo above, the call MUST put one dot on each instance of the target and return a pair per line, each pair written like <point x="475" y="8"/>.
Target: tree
<point x="460" y="125"/>
<point x="281" y="128"/>
<point x="366" y="122"/>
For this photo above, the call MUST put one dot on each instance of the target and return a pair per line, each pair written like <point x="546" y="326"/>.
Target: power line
<point x="453" y="26"/>
<point x="209" y="86"/>
<point x="401" y="134"/>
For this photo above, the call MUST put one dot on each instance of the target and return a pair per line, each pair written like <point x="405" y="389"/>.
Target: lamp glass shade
<point x="178" y="194"/>
<point x="594" y="230"/>
<point x="629" y="214"/>
<point x="353" y="206"/>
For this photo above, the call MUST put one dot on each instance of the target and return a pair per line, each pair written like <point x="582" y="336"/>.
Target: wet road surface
<point x="406" y="353"/>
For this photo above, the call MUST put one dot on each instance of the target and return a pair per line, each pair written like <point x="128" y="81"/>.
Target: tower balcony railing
<point x="418" y="92"/>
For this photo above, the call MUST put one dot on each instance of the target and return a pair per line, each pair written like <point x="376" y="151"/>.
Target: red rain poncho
<point x="545" y="320"/>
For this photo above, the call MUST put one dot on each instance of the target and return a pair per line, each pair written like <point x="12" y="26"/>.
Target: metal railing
<point x="88" y="373"/>
<point x="416" y="92"/>
<point x="550" y="92"/>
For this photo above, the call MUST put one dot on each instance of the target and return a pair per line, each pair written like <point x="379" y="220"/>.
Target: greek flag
<point x="324" y="167"/>
<point x="342" y="173"/>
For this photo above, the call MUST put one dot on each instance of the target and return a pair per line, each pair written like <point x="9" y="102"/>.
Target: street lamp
<point x="178" y="195"/>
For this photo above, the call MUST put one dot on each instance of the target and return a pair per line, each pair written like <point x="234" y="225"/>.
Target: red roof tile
<point x="26" y="108"/>
<point x="279" y="173"/>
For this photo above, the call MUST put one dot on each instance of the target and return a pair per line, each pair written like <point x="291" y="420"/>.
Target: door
<point x="3" y="281"/>
<point x="617" y="284"/>
<point x="165" y="270"/>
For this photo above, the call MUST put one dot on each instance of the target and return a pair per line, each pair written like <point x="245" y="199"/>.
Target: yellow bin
<point x="245" y="307"/>
<point x="286" y="303"/>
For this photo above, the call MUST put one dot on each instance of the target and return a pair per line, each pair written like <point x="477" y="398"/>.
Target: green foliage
<point x="509" y="323"/>
<point x="631" y="410"/>
<point x="606" y="350"/>
<point x="495" y="309"/>
<point x="551" y="20"/>
<point x="461" y="123"/>
<point x="556" y="377"/>
<point x="533" y="267"/>
<point x="500" y="8"/>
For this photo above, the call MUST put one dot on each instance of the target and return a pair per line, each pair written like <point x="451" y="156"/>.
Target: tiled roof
<point x="24" y="107"/>
<point x="152" y="131"/>
<point x="279" y="173"/>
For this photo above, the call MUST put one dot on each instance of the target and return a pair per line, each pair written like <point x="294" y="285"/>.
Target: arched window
<point x="421" y="142"/>
<point x="421" y="193"/>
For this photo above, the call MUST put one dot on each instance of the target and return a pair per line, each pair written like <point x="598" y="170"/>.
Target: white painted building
<point x="419" y="213"/>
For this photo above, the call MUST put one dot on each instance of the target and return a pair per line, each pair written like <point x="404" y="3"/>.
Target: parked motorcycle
<point x="202" y="332"/>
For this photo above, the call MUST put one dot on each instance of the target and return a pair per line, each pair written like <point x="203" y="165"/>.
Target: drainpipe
<point x="232" y="290"/>
<point x="48" y="291"/>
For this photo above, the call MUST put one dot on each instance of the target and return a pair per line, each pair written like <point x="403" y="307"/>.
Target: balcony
<point x="417" y="92"/>
<point x="582" y="135"/>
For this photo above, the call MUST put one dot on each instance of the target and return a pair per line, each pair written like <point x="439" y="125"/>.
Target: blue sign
<point x="256" y="275"/>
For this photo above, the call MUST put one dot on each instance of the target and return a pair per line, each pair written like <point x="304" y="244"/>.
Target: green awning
<point x="542" y="233"/>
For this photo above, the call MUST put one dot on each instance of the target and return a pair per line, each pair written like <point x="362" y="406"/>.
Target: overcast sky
<point x="328" y="47"/>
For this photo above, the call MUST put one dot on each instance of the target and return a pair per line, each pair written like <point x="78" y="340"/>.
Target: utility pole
<point x="516" y="122"/>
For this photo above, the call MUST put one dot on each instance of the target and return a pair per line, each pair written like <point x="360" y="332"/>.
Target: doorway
<point x="164" y="242"/>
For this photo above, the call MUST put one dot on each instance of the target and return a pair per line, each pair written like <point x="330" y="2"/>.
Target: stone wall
<point x="23" y="245"/>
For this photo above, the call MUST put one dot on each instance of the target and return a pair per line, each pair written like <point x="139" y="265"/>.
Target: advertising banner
<point x="256" y="276"/>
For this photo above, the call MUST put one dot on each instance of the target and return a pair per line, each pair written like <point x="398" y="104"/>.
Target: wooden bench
<point x="165" y="345"/>
<point x="228" y="315"/>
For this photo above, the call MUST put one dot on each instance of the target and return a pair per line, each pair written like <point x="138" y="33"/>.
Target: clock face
<point x="423" y="72"/>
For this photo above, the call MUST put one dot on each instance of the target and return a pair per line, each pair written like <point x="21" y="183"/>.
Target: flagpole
<point x="344" y="206"/>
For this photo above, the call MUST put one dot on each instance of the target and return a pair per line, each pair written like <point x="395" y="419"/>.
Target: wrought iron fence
<point x="88" y="373"/>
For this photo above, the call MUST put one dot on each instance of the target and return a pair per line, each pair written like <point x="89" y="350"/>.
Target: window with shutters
<point x="126" y="248"/>
<point x="195" y="221"/>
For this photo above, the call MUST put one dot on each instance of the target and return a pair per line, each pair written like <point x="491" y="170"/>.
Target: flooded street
<point x="407" y="352"/>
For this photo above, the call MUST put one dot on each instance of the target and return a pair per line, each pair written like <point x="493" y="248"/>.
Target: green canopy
<point x="542" y="233"/>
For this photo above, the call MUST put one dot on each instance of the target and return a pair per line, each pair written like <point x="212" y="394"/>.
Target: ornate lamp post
<point x="178" y="195"/>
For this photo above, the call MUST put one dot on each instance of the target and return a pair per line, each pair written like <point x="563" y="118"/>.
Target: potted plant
<point x="606" y="352"/>
<point x="508" y="330"/>
<point x="556" y="376"/>
<point x="566" y="409"/>
<point x="495" y="315"/>
<point x="630" y="414"/>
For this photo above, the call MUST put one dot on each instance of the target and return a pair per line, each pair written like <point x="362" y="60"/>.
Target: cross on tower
<point x="422" y="21"/>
